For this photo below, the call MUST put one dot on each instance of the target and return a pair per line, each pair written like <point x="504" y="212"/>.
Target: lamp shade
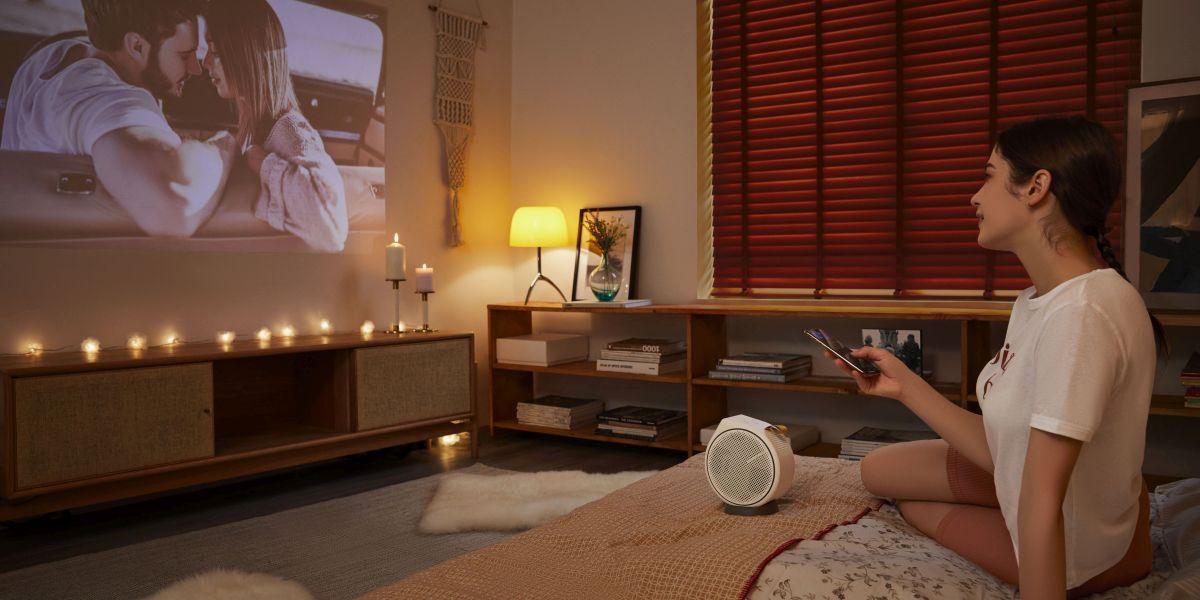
<point x="538" y="226"/>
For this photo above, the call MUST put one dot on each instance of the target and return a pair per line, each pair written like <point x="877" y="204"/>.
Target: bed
<point x="866" y="550"/>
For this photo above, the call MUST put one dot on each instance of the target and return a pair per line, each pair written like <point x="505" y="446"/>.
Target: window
<point x="848" y="136"/>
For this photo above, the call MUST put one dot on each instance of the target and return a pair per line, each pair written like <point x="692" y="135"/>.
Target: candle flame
<point x="395" y="238"/>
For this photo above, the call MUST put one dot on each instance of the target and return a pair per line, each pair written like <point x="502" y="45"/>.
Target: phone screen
<point x="840" y="350"/>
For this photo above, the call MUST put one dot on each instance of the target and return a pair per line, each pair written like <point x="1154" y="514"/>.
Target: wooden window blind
<point x="848" y="136"/>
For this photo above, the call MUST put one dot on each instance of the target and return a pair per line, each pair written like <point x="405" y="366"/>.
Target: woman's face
<point x="212" y="63"/>
<point x="999" y="212"/>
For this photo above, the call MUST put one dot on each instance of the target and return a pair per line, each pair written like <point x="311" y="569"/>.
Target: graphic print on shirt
<point x="1002" y="357"/>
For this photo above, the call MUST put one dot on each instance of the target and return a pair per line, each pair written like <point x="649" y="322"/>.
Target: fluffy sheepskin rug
<point x="225" y="584"/>
<point x="466" y="502"/>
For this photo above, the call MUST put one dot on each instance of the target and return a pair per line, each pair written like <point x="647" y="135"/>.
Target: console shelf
<point x="706" y="326"/>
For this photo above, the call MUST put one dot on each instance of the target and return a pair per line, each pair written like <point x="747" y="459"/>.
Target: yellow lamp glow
<point x="34" y="348"/>
<point x="171" y="339"/>
<point x="90" y="345"/>
<point x="367" y="328"/>
<point x="264" y="335"/>
<point x="287" y="331"/>
<point x="136" y="341"/>
<point x="325" y="327"/>
<point x="535" y="227"/>
<point x="225" y="337"/>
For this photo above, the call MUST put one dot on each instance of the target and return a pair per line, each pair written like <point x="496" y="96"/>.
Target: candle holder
<point x="424" y="313"/>
<point x="395" y="327"/>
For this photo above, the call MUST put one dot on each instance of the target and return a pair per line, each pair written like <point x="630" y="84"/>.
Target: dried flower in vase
<point x="606" y="234"/>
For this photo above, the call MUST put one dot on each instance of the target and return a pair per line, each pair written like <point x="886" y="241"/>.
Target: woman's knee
<point x="906" y="469"/>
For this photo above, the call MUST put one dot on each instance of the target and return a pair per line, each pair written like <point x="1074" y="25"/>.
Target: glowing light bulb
<point x="367" y="328"/>
<point x="172" y="339"/>
<point x="34" y="348"/>
<point x="225" y="337"/>
<point x="287" y="331"/>
<point x="136" y="341"/>
<point x="401" y="326"/>
<point x="263" y="335"/>
<point x="449" y="440"/>
<point x="325" y="327"/>
<point x="90" y="345"/>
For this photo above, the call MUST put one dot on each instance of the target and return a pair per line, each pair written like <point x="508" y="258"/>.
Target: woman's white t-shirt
<point x="1077" y="361"/>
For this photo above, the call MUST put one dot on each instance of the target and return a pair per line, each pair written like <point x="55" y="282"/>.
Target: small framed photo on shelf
<point x="1163" y="192"/>
<point x="904" y="343"/>
<point x="606" y="253"/>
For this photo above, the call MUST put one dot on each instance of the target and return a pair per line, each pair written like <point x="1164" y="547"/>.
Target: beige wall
<point x="1170" y="46"/>
<point x="58" y="297"/>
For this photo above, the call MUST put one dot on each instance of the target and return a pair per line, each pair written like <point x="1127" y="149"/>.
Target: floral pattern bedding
<point x="882" y="557"/>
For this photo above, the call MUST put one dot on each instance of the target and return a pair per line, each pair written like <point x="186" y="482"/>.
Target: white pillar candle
<point x="395" y="259"/>
<point x="424" y="278"/>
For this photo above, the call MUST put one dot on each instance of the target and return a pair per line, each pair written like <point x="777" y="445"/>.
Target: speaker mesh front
<point x="740" y="467"/>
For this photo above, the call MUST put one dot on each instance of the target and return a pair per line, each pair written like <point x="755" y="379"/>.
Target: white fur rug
<point x="465" y="502"/>
<point x="228" y="584"/>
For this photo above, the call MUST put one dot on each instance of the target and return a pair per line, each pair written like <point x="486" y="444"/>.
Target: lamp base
<point x="541" y="277"/>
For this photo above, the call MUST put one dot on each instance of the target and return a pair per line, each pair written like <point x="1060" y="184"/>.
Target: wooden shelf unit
<point x="706" y="338"/>
<point x="79" y="429"/>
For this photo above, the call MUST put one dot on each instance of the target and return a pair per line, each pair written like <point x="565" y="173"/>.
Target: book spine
<point x="621" y="366"/>
<point x="763" y="370"/>
<point x="653" y="438"/>
<point x="762" y="364"/>
<point x="637" y="421"/>
<point x="655" y="348"/>
<point x="731" y="376"/>
<point x="630" y="355"/>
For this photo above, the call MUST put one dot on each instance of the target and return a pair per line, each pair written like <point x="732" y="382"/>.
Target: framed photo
<point x="623" y="256"/>
<point x="1162" y="211"/>
<point x="904" y="343"/>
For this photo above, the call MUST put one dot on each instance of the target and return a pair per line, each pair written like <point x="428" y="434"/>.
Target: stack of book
<point x="856" y="445"/>
<point x="1190" y="378"/>
<point x="641" y="423"/>
<point x="647" y="356"/>
<point x="762" y="366"/>
<point x="559" y="412"/>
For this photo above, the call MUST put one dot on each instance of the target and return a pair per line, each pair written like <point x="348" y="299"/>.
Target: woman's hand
<point x="894" y="379"/>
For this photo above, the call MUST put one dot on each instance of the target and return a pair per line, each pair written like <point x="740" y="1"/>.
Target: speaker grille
<point x="740" y="467"/>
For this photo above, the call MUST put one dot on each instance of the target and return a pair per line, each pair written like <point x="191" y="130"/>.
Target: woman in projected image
<point x="1049" y="477"/>
<point x="301" y="190"/>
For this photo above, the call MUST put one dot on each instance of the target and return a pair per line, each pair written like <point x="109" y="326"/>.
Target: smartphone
<point x="840" y="350"/>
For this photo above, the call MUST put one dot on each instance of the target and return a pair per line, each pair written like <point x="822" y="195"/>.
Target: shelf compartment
<point x="1172" y="406"/>
<point x="278" y="438"/>
<point x="827" y="385"/>
<point x="678" y="442"/>
<point x="587" y="368"/>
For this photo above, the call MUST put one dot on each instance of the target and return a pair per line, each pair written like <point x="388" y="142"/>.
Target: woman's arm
<point x="961" y="428"/>
<point x="1041" y="553"/>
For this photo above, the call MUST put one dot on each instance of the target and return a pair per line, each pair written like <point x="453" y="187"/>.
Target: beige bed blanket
<point x="665" y="536"/>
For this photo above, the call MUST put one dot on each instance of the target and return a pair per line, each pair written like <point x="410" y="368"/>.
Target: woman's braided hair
<point x="1085" y="177"/>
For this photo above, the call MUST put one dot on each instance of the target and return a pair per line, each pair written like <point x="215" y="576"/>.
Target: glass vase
<point x="605" y="279"/>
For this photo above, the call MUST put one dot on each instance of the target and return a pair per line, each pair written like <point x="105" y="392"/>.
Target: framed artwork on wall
<point x="1162" y="211"/>
<point x="616" y="278"/>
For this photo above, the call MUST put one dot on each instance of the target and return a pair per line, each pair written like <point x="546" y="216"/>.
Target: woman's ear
<point x="1038" y="188"/>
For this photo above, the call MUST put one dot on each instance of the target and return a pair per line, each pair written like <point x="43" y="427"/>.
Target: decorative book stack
<point x="856" y="445"/>
<point x="559" y="412"/>
<point x="1190" y="378"/>
<point x="641" y="423"/>
<point x="647" y="356"/>
<point x="762" y="366"/>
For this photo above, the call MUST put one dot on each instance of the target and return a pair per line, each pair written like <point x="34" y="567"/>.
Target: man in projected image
<point x="102" y="99"/>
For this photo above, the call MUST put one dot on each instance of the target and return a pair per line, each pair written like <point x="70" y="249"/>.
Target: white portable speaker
<point x="749" y="463"/>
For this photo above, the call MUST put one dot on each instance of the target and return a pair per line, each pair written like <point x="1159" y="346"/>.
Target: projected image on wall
<point x="234" y="125"/>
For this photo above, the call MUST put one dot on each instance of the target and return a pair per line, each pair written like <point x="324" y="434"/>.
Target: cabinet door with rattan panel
<point x="411" y="382"/>
<point x="80" y="425"/>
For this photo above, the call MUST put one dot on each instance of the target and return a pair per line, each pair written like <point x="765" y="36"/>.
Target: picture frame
<point x="905" y="344"/>
<point x="587" y="258"/>
<point x="1162" y="192"/>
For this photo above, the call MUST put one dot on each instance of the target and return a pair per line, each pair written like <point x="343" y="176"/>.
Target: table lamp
<point x="534" y="227"/>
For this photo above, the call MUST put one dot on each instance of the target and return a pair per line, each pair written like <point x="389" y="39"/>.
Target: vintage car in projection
<point x="336" y="55"/>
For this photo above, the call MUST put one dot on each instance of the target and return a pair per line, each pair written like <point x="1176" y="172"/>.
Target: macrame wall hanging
<point x="458" y="36"/>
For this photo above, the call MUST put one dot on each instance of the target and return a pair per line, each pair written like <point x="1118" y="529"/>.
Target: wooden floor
<point x="63" y="535"/>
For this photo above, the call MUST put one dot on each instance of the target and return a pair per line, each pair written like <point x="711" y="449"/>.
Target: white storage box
<point x="542" y="349"/>
<point x="802" y="436"/>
